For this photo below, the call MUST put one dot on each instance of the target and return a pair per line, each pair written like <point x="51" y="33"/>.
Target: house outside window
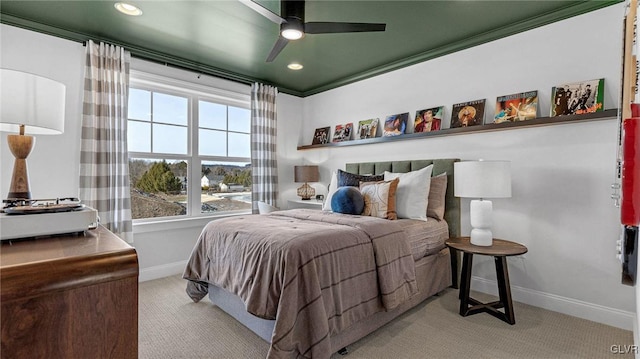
<point x="189" y="149"/>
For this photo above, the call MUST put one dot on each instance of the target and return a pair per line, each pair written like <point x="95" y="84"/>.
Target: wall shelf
<point x="541" y="121"/>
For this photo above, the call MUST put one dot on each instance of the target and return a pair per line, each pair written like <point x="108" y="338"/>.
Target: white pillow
<point x="333" y="187"/>
<point x="412" y="195"/>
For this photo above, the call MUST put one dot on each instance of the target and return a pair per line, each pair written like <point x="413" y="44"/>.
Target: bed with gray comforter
<point x="318" y="280"/>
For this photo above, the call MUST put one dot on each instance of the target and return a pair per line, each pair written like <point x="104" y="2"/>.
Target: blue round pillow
<point x="347" y="200"/>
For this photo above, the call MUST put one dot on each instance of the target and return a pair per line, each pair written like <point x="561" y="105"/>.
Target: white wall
<point x="290" y="124"/>
<point x="560" y="207"/>
<point x="561" y="174"/>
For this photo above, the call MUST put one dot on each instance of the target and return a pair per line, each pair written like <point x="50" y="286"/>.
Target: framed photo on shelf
<point x="577" y="98"/>
<point x="428" y="120"/>
<point x="347" y="133"/>
<point x="395" y="125"/>
<point x="337" y="133"/>
<point x="467" y="114"/>
<point x="321" y="136"/>
<point x="343" y="132"/>
<point x="516" y="107"/>
<point x="368" y="128"/>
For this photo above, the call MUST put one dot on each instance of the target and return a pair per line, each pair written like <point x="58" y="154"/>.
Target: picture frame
<point x="468" y="114"/>
<point x="321" y="136"/>
<point x="395" y="125"/>
<point x="428" y="120"/>
<point x="521" y="106"/>
<point x="337" y="133"/>
<point x="347" y="134"/>
<point x="577" y="98"/>
<point x="343" y="132"/>
<point x="368" y="128"/>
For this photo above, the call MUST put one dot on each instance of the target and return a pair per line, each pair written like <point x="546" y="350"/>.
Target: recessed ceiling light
<point x="128" y="9"/>
<point x="295" y="66"/>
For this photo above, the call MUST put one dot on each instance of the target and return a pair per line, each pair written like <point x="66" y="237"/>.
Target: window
<point x="189" y="149"/>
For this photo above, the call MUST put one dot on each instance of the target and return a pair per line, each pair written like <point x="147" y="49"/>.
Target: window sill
<point x="164" y="224"/>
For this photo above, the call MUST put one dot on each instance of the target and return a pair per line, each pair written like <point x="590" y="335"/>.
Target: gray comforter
<point x="314" y="272"/>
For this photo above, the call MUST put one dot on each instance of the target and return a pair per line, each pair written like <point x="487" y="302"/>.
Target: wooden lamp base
<point x="21" y="146"/>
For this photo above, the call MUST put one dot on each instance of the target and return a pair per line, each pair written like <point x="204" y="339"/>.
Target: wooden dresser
<point x="69" y="297"/>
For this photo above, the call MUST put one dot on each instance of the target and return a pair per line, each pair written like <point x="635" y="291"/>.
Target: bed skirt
<point x="433" y="275"/>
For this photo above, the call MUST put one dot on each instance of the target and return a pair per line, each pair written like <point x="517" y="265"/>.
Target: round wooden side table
<point x="500" y="250"/>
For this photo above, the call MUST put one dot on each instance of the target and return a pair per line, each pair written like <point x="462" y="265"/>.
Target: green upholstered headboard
<point x="452" y="206"/>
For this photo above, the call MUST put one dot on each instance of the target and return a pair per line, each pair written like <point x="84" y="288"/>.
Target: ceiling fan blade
<point x="279" y="45"/>
<point x="263" y="11"/>
<point x="336" y="27"/>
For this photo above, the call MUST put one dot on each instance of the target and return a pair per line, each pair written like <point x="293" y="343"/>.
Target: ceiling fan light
<point x="128" y="9"/>
<point x="293" y="29"/>
<point x="292" y="34"/>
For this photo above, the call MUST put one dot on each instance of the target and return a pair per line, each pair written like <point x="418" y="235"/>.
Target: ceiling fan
<point x="293" y="27"/>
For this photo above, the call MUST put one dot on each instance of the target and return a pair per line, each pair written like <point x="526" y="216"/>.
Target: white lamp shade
<point x="33" y="101"/>
<point x="482" y="179"/>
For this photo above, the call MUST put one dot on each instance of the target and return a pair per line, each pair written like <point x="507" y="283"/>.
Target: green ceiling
<point x="227" y="39"/>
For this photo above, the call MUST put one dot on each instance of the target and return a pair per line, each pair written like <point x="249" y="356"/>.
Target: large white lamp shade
<point x="480" y="180"/>
<point x="33" y="101"/>
<point x="29" y="104"/>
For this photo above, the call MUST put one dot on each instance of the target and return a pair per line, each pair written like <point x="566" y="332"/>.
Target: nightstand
<point x="310" y="204"/>
<point x="499" y="250"/>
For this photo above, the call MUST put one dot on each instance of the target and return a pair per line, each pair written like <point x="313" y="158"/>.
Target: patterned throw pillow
<point x="352" y="179"/>
<point x="380" y="198"/>
<point x="437" y="193"/>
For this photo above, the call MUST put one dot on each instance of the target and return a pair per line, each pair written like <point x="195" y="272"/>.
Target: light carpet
<point x="172" y="327"/>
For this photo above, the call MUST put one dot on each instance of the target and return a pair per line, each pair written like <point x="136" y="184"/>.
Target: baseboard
<point x="161" y="271"/>
<point x="576" y="308"/>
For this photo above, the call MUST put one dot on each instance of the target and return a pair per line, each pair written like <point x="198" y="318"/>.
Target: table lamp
<point x="306" y="174"/>
<point x="482" y="179"/>
<point x="29" y="104"/>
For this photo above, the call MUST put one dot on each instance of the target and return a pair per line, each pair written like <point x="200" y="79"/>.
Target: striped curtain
<point x="104" y="163"/>
<point x="264" y="165"/>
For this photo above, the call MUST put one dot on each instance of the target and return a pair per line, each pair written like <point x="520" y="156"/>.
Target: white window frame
<point x="195" y="93"/>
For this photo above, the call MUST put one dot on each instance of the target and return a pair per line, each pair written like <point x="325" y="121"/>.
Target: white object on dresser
<point x="311" y="204"/>
<point x="44" y="224"/>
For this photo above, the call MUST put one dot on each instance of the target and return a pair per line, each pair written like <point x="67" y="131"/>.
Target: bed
<point x="312" y="282"/>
